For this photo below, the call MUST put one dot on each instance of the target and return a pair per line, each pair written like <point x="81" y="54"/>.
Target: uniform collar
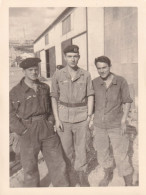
<point x="26" y="87"/>
<point x="114" y="81"/>
<point x="78" y="75"/>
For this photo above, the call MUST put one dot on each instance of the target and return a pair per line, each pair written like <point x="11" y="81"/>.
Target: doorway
<point x="50" y="61"/>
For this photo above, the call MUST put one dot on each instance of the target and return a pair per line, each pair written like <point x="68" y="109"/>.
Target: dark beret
<point x="29" y="62"/>
<point x="71" y="49"/>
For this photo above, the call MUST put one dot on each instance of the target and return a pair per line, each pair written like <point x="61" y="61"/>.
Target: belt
<point x="35" y="118"/>
<point x="73" y="104"/>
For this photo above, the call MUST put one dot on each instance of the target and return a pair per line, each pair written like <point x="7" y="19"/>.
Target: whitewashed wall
<point x="78" y="25"/>
<point x="39" y="45"/>
<point x="95" y="40"/>
<point x="95" y="37"/>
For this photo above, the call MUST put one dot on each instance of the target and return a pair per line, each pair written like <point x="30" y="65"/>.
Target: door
<point x="43" y="63"/>
<point x="47" y="64"/>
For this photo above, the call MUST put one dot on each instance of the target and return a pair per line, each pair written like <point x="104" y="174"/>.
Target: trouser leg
<point x="80" y="132"/>
<point x="66" y="138"/>
<point x="29" y="160"/>
<point x="80" y="165"/>
<point x="120" y="144"/>
<point x="52" y="152"/>
<point x="101" y="144"/>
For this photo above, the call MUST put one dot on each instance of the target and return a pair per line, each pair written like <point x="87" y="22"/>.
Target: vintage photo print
<point x="73" y="118"/>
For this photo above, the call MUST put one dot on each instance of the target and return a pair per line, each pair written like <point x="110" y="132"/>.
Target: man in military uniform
<point x="31" y="117"/>
<point x="111" y="96"/>
<point x="72" y="102"/>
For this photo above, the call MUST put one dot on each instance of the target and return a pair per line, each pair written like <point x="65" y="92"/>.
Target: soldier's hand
<point x="88" y="119"/>
<point x="59" y="126"/>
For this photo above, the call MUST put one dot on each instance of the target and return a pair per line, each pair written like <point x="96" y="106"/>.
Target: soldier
<point x="72" y="102"/>
<point x="111" y="94"/>
<point x="31" y="117"/>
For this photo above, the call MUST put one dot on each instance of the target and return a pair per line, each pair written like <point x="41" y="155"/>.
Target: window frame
<point x="46" y="39"/>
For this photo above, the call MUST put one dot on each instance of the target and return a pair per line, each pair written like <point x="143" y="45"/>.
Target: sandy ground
<point x="95" y="172"/>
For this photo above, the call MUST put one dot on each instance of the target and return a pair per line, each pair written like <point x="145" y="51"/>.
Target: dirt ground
<point x="95" y="173"/>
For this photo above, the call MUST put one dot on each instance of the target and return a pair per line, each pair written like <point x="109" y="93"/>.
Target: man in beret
<point x="72" y="102"/>
<point x="31" y="117"/>
<point x="111" y="96"/>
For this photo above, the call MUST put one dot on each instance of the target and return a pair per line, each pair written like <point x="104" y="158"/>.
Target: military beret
<point x="71" y="49"/>
<point x="29" y="62"/>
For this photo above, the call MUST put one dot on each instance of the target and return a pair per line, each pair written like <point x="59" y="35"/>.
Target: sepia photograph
<point x="72" y="97"/>
<point x="73" y="92"/>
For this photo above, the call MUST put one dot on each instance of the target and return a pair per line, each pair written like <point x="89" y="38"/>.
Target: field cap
<point x="29" y="62"/>
<point x="71" y="49"/>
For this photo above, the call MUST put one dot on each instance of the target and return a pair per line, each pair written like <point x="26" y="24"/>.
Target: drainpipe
<point x="87" y="36"/>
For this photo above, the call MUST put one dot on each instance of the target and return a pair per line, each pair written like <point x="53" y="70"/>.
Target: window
<point x="46" y="39"/>
<point x="66" y="25"/>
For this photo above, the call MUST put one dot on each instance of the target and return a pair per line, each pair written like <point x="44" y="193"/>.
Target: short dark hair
<point x="104" y="59"/>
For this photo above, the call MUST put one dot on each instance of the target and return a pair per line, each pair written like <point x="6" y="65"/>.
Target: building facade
<point x="110" y="31"/>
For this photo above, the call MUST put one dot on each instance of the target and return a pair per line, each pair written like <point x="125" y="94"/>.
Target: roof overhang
<point x="58" y="19"/>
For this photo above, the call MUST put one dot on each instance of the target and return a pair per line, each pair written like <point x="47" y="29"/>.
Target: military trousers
<point x="73" y="140"/>
<point x="102" y="140"/>
<point x="52" y="152"/>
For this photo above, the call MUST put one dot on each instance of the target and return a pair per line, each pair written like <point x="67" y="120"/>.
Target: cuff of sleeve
<point x="55" y="95"/>
<point x="90" y="94"/>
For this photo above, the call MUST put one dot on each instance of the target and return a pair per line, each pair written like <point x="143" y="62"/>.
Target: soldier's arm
<point x="127" y="107"/>
<point x="51" y="116"/>
<point x="15" y="122"/>
<point x="90" y="106"/>
<point x="55" y="108"/>
<point x="55" y="97"/>
<point x="126" y="100"/>
<point x="59" y="126"/>
<point x="90" y="95"/>
<point x="125" y="115"/>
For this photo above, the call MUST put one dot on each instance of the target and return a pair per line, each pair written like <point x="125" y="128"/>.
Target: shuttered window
<point x="66" y="25"/>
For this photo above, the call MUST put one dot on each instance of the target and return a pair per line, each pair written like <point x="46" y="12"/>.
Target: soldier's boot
<point x="73" y="177"/>
<point x="128" y="180"/>
<point x="83" y="179"/>
<point x="108" y="176"/>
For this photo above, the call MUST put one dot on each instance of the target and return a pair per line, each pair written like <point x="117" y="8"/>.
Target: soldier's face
<point x="72" y="59"/>
<point x="103" y="69"/>
<point x="32" y="73"/>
